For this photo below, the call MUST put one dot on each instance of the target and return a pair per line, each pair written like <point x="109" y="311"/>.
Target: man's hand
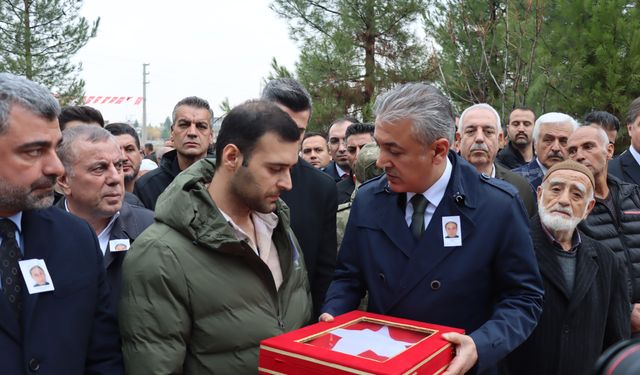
<point x="325" y="317"/>
<point x="466" y="353"/>
<point x="635" y="318"/>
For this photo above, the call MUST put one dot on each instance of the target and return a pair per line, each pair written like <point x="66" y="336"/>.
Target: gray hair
<point x="603" y="138"/>
<point x="480" y="106"/>
<point x="192" y="101"/>
<point x="17" y="90"/>
<point x="423" y="103"/>
<point x="288" y="92"/>
<point x="84" y="133"/>
<point x="552" y="117"/>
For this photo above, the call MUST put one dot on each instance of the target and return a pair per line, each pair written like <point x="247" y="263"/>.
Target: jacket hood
<point x="187" y="207"/>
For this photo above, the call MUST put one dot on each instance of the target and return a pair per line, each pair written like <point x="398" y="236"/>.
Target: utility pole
<point x="144" y="102"/>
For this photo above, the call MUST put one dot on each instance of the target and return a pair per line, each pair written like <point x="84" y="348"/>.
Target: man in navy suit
<point x="395" y="247"/>
<point x="627" y="166"/>
<point x="71" y="329"/>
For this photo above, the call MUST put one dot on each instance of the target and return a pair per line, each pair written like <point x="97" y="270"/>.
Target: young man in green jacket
<point x="220" y="269"/>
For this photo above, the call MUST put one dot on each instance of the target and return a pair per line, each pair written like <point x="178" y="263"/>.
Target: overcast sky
<point x="212" y="49"/>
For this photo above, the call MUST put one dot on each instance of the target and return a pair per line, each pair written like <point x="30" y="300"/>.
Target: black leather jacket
<point x="620" y="231"/>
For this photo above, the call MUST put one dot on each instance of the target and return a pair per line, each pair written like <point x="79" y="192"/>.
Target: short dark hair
<point x="521" y="108"/>
<point x="313" y="134"/>
<point x="192" y="101"/>
<point x="246" y="123"/>
<point x="149" y="146"/>
<point x="82" y="113"/>
<point x="351" y="119"/>
<point x="120" y="128"/>
<point x="359" y="128"/>
<point x="604" y="119"/>
<point x="288" y="92"/>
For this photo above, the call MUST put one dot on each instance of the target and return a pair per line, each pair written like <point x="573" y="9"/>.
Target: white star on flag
<point x="355" y="342"/>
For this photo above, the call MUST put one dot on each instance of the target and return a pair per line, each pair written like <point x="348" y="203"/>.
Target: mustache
<point x="555" y="154"/>
<point x="479" y="147"/>
<point x="564" y="210"/>
<point x="43" y="182"/>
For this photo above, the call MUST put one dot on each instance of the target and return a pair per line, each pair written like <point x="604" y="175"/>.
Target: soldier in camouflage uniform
<point x="365" y="169"/>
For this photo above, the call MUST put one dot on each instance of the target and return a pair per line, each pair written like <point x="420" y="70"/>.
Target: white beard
<point x="556" y="222"/>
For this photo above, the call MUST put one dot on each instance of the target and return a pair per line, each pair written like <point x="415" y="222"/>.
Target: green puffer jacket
<point x="196" y="300"/>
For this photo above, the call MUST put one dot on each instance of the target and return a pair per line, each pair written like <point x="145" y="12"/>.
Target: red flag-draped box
<point x="359" y="343"/>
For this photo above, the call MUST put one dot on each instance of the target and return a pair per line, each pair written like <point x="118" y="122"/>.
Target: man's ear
<point x="589" y="207"/>
<point x="539" y="192"/>
<point x="610" y="150"/>
<point x="440" y="148"/>
<point x="63" y="183"/>
<point x="231" y="157"/>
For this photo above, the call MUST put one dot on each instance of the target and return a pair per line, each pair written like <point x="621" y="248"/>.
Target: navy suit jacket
<point x="626" y="168"/>
<point x="71" y="330"/>
<point x="490" y="286"/>
<point x="132" y="221"/>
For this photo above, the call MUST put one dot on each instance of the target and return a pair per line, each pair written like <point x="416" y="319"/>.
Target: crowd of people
<point x="117" y="258"/>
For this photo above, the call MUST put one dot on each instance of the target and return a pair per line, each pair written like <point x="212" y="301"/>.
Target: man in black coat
<point x="313" y="199"/>
<point x="93" y="185"/>
<point x="586" y="307"/>
<point x="519" y="150"/>
<point x="615" y="218"/>
<point x="192" y="134"/>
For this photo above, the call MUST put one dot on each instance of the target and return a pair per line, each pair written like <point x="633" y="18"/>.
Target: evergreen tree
<point x="38" y="39"/>
<point x="351" y="49"/>
<point x="487" y="50"/>
<point x="589" y="57"/>
<point x="166" y="128"/>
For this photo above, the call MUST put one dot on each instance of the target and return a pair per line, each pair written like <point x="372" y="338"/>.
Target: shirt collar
<point x="493" y="171"/>
<point x="575" y="239"/>
<point x="435" y="193"/>
<point x="17" y="220"/>
<point x="107" y="229"/>
<point x="634" y="153"/>
<point x="341" y="172"/>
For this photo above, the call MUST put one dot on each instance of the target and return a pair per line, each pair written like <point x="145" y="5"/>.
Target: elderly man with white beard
<point x="586" y="307"/>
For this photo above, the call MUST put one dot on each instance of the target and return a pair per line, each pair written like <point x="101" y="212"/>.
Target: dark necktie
<point x="419" y="203"/>
<point x="12" y="282"/>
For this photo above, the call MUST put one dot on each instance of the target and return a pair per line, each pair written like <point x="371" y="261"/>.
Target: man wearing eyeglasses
<point x="339" y="168"/>
<point x="356" y="135"/>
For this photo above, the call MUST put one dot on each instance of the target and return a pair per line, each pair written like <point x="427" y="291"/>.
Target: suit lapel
<point x="117" y="233"/>
<point x="9" y="320"/>
<point x="630" y="167"/>
<point x="549" y="265"/>
<point x="586" y="273"/>
<point x="430" y="250"/>
<point x="36" y="246"/>
<point x="394" y="225"/>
